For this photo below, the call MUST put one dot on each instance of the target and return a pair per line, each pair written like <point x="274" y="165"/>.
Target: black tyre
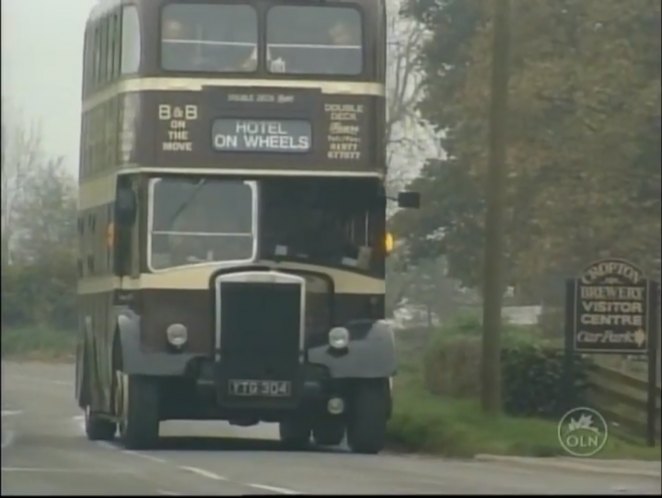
<point x="136" y="401"/>
<point x="366" y="428"/>
<point x="329" y="431"/>
<point x="97" y="428"/>
<point x="82" y="397"/>
<point x="294" y="433"/>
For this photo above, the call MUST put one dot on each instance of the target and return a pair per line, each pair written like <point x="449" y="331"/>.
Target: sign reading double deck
<point x="250" y="135"/>
<point x="611" y="309"/>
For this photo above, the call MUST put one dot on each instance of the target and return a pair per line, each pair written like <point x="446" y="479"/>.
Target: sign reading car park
<point x="611" y="309"/>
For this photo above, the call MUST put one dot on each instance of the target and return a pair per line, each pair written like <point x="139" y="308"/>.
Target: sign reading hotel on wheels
<point x="610" y="309"/>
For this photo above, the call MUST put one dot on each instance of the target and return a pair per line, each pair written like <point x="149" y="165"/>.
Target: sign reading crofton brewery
<point x="611" y="309"/>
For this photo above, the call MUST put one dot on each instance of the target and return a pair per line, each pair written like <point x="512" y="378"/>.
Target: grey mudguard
<point x="372" y="356"/>
<point x="135" y="361"/>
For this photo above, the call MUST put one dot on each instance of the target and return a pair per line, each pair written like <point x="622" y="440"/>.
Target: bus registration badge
<point x="268" y="388"/>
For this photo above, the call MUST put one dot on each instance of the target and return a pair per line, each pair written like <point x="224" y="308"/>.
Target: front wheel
<point x="366" y="430"/>
<point x="137" y="408"/>
<point x="294" y="433"/>
<point x="97" y="428"/>
<point x="329" y="431"/>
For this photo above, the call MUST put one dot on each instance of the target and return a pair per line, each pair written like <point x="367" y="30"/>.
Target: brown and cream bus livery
<point x="232" y="219"/>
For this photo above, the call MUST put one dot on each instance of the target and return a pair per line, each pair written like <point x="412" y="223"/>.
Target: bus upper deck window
<point x="209" y="38"/>
<point x="314" y="40"/>
<point x="130" y="61"/>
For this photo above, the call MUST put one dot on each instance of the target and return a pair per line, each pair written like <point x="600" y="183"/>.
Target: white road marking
<point x="107" y="445"/>
<point x="70" y="471"/>
<point x="80" y="419"/>
<point x="80" y="422"/>
<point x="8" y="439"/>
<point x="9" y="413"/>
<point x="204" y="473"/>
<point x="281" y="491"/>
<point x="143" y="455"/>
<point x="39" y="380"/>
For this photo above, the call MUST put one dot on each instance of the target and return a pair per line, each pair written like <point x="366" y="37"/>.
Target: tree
<point x="38" y="234"/>
<point x="423" y="281"/>
<point x="409" y="138"/>
<point x="584" y="161"/>
<point x="47" y="216"/>
<point x="21" y="154"/>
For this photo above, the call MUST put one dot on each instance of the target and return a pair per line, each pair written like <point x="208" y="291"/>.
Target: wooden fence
<point x="623" y="400"/>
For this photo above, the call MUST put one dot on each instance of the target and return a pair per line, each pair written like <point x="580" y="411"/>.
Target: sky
<point x="42" y="44"/>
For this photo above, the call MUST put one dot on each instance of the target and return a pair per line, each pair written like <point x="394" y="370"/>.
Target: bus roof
<point x="102" y="7"/>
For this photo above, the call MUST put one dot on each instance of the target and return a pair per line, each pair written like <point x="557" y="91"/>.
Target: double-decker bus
<point x="232" y="219"/>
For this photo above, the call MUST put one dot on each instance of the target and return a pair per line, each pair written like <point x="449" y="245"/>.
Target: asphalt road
<point x="44" y="451"/>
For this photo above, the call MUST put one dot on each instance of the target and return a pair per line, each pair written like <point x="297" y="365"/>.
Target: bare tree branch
<point x="409" y="139"/>
<point x="21" y="156"/>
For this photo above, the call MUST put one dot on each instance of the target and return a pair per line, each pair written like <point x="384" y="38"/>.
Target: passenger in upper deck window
<point x="183" y="55"/>
<point x="340" y="34"/>
<point x="173" y="30"/>
<point x="277" y="65"/>
<point x="183" y="49"/>
<point x="343" y="47"/>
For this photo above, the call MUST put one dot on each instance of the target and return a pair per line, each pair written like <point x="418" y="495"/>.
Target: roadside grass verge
<point x="455" y="426"/>
<point x="38" y="343"/>
<point x="425" y="423"/>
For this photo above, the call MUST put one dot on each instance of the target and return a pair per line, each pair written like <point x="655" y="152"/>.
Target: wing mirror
<point x="409" y="200"/>
<point x="125" y="206"/>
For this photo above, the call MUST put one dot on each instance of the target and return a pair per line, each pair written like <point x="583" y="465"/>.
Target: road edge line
<point x="547" y="462"/>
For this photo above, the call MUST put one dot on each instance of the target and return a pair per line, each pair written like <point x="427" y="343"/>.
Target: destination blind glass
<point x="211" y="38"/>
<point x="249" y="135"/>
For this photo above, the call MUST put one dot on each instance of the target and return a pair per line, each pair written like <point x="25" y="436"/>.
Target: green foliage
<point x="532" y="368"/>
<point x="40" y="293"/>
<point x="535" y="384"/>
<point x="423" y="422"/>
<point x="38" y="343"/>
<point x="456" y="427"/>
<point x="39" y="247"/>
<point x="583" y="145"/>
<point x="453" y="367"/>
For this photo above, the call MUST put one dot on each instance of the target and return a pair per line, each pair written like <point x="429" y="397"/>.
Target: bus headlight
<point x="177" y="335"/>
<point x="339" y="337"/>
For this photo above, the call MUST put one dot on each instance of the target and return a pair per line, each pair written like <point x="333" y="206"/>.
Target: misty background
<point x="585" y="114"/>
<point x="42" y="46"/>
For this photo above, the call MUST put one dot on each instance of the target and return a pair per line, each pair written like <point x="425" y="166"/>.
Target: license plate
<point x="267" y="388"/>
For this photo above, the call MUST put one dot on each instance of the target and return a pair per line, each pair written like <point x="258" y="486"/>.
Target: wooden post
<point x="493" y="256"/>
<point x="653" y="330"/>
<point x="568" y="347"/>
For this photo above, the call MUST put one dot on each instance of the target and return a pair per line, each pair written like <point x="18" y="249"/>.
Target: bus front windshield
<point x="334" y="222"/>
<point x="194" y="221"/>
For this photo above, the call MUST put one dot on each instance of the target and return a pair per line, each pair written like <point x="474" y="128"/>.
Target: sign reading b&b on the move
<point x="610" y="301"/>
